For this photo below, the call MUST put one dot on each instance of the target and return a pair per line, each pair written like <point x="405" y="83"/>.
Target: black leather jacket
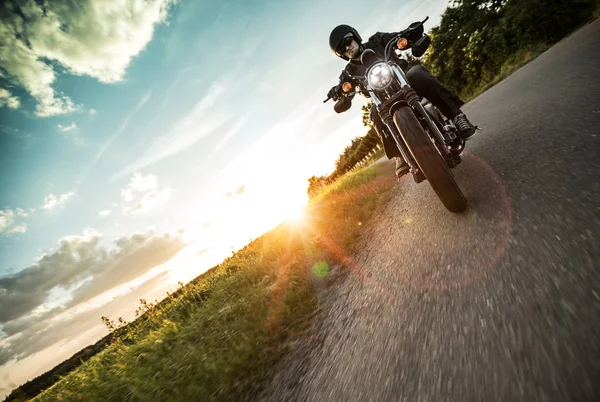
<point x="377" y="43"/>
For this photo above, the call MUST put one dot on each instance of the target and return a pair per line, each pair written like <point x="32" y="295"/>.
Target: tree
<point x="108" y="323"/>
<point x="366" y="116"/>
<point x="315" y="183"/>
<point x="475" y="38"/>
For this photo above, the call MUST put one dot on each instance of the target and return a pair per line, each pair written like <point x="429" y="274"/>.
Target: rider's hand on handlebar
<point x="334" y="92"/>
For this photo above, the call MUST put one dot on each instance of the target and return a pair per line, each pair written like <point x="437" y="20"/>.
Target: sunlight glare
<point x="297" y="214"/>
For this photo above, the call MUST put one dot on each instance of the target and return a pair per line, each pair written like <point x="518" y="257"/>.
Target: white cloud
<point x="227" y="137"/>
<point x="96" y="38"/>
<point x="22" y="212"/>
<point x="9" y="220"/>
<point x="70" y="132"/>
<point x="114" y="137"/>
<point x="64" y="129"/>
<point x="7" y="99"/>
<point x="208" y="115"/>
<point x="104" y="212"/>
<point x="92" y="112"/>
<point x="201" y="121"/>
<point x="7" y="217"/>
<point x="23" y="64"/>
<point x="139" y="183"/>
<point x="82" y="264"/>
<point x="19" y="229"/>
<point x="52" y="201"/>
<point x="142" y="193"/>
<point x="88" y="235"/>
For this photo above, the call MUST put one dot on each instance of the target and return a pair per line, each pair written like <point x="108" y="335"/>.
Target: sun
<point x="297" y="214"/>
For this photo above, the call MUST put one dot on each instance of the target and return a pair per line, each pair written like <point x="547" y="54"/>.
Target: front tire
<point x="432" y="164"/>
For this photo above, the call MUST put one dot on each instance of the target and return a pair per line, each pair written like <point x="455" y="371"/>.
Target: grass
<point x="379" y="153"/>
<point x="221" y="336"/>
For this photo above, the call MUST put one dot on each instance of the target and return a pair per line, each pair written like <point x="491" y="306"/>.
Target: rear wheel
<point x="431" y="163"/>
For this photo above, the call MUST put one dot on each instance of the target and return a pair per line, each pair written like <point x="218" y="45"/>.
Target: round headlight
<point x="380" y="76"/>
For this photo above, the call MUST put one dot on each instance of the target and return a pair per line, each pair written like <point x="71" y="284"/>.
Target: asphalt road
<point x="501" y="302"/>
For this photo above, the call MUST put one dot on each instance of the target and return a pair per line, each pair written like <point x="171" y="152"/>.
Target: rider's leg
<point x="390" y="147"/>
<point x="428" y="86"/>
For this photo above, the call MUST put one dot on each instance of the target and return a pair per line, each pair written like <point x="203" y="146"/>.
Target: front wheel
<point x="431" y="163"/>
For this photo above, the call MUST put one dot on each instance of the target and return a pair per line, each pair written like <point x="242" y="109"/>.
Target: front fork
<point x="413" y="100"/>
<point x="408" y="158"/>
<point x="389" y="123"/>
<point x="451" y="154"/>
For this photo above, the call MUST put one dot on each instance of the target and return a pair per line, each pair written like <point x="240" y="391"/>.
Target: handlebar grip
<point x="326" y="99"/>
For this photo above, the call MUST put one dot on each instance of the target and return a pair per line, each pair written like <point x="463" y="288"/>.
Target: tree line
<point x="357" y="152"/>
<point x="476" y="39"/>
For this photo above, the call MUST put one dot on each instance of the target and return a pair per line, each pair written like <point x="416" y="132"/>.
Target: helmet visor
<point x="344" y="43"/>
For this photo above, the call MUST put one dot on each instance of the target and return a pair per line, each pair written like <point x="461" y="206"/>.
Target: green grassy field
<point x="222" y="335"/>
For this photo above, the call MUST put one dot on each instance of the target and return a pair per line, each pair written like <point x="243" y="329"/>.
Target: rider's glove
<point x="412" y="33"/>
<point x="334" y="92"/>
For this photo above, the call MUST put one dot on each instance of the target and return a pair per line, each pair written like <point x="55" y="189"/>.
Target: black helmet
<point x="336" y="37"/>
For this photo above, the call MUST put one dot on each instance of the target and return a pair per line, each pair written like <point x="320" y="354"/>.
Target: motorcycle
<point x="426" y="139"/>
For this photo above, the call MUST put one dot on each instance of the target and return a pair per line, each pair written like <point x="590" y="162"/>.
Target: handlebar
<point x="361" y="79"/>
<point x="419" y="25"/>
<point x="389" y="48"/>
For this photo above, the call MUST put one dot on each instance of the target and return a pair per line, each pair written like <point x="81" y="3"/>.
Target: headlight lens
<point x="380" y="76"/>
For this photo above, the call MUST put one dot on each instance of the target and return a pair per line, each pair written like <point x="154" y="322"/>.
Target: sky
<point x="142" y="141"/>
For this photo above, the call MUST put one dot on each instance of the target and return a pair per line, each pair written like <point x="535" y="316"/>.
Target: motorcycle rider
<point x="346" y="43"/>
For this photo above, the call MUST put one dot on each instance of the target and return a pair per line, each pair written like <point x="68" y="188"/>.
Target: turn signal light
<point x="402" y="43"/>
<point x="346" y="87"/>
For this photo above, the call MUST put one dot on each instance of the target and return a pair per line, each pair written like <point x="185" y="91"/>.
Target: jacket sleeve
<point x="349" y="70"/>
<point x="382" y="38"/>
<point x="378" y="41"/>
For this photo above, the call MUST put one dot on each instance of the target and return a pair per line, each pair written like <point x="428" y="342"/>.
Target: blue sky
<point x="174" y="129"/>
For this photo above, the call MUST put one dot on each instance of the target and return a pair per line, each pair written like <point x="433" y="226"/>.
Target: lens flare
<point x="321" y="269"/>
